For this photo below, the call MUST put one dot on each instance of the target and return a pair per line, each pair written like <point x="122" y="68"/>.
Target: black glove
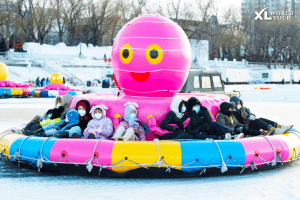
<point x="176" y="129"/>
<point x="205" y="127"/>
<point x="245" y="128"/>
<point x="180" y="125"/>
<point x="240" y="129"/>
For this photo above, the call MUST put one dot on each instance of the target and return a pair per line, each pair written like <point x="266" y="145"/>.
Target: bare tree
<point x="71" y="13"/>
<point x="99" y="19"/>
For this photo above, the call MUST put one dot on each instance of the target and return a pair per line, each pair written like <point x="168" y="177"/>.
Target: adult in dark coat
<point x="244" y="116"/>
<point x="104" y="83"/>
<point x="201" y="125"/>
<point x="175" y="117"/>
<point x="83" y="107"/>
<point x="37" y="82"/>
<point x="64" y="80"/>
<point x="42" y="82"/>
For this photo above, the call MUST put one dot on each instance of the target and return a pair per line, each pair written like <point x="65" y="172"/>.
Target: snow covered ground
<point x="282" y="183"/>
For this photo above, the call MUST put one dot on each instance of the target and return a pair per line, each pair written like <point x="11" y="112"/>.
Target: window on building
<point x="217" y="81"/>
<point x="206" y="84"/>
<point x="196" y="82"/>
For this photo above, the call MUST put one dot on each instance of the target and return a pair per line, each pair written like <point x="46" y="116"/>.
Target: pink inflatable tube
<point x="264" y="147"/>
<point x="59" y="87"/>
<point x="79" y="151"/>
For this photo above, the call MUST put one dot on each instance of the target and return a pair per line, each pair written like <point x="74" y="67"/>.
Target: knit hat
<point x="86" y="105"/>
<point x="225" y="106"/>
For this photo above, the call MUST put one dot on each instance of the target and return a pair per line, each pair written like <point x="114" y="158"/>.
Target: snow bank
<point x="64" y="51"/>
<point x="260" y="92"/>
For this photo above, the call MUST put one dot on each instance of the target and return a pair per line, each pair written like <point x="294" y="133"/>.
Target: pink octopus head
<point x="151" y="57"/>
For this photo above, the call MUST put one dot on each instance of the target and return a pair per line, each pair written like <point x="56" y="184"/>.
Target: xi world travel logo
<point x="273" y="15"/>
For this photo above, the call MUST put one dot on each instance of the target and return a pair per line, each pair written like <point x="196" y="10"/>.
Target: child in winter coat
<point x="35" y="128"/>
<point x="100" y="127"/>
<point x="67" y="128"/>
<point x="130" y="128"/>
<point x="63" y="101"/>
<point x="83" y="108"/>
<point x="244" y="116"/>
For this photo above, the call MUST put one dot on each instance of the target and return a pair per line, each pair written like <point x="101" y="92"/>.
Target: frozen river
<point x="282" y="183"/>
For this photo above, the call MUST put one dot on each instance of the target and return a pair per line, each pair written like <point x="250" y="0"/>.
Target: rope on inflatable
<point x="158" y="70"/>
<point x="223" y="166"/>
<point x="159" y="38"/>
<point x="156" y="49"/>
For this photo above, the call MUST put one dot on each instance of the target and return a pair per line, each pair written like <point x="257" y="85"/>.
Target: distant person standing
<point x="64" y="80"/>
<point x="48" y="81"/>
<point x="104" y="84"/>
<point x="104" y="56"/>
<point x="43" y="82"/>
<point x="37" y="82"/>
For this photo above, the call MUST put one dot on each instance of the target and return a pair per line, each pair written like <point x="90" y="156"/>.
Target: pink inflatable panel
<point x="58" y="87"/>
<point x="158" y="107"/>
<point x="264" y="149"/>
<point x="81" y="150"/>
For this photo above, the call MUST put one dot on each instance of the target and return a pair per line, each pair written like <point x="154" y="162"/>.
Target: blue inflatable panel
<point x="199" y="154"/>
<point x="5" y="92"/>
<point x="44" y="94"/>
<point x="73" y="93"/>
<point x="32" y="93"/>
<point x="31" y="148"/>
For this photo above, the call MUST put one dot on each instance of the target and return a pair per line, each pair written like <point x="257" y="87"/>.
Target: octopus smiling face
<point x="151" y="57"/>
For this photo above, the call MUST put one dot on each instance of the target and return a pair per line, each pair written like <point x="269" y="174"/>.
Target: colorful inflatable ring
<point x="159" y="158"/>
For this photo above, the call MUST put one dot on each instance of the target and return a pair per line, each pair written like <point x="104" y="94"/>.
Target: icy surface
<point x="281" y="183"/>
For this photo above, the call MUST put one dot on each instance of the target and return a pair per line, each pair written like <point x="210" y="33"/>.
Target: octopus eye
<point x="154" y="54"/>
<point x="126" y="53"/>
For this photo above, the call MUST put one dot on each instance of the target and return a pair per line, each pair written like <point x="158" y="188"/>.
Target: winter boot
<point x="227" y="136"/>
<point x="91" y="136"/>
<point x="272" y="131"/>
<point x="239" y="136"/>
<point x="282" y="129"/>
<point x="63" y="135"/>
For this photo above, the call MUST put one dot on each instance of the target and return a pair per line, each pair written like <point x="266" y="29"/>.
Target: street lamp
<point x="80" y="50"/>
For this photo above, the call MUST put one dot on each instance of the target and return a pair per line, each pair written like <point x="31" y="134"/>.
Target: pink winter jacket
<point x="152" y="125"/>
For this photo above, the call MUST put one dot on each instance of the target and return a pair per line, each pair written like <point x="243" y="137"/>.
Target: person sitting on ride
<point x="67" y="128"/>
<point x="38" y="129"/>
<point x="201" y="125"/>
<point x="130" y="127"/>
<point x="63" y="101"/>
<point x="175" y="122"/>
<point x="244" y="116"/>
<point x="100" y="127"/>
<point x="227" y="119"/>
<point x="83" y="108"/>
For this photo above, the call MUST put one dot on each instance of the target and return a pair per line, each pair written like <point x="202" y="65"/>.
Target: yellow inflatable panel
<point x="6" y="141"/>
<point x="13" y="91"/>
<point x="36" y="94"/>
<point x="144" y="152"/>
<point x="292" y="139"/>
